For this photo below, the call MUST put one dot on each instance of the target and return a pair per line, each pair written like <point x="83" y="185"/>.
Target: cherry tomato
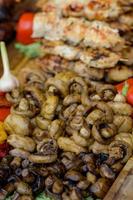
<point x="25" y="28"/>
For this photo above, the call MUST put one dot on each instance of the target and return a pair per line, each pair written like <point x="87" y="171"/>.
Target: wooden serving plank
<point x="122" y="189"/>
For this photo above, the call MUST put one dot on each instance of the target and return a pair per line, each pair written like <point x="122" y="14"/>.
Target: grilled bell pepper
<point x="4" y="107"/>
<point x="4" y="112"/>
<point x="126" y="89"/>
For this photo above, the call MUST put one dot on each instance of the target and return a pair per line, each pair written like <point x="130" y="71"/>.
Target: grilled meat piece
<point x="74" y="31"/>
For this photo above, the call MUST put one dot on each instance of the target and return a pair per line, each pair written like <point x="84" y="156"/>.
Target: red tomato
<point x="130" y="95"/>
<point x="25" y="28"/>
<point x="4" y="112"/>
<point x="4" y="107"/>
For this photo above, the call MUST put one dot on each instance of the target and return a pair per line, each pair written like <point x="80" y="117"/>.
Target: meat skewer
<point x="92" y="10"/>
<point x="101" y="59"/>
<point x="75" y="31"/>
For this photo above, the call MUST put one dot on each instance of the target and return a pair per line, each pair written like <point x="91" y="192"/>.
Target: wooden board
<point x="122" y="189"/>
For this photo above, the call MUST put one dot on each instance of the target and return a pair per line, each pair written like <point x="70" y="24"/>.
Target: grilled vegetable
<point x="24" y="28"/>
<point x="126" y="89"/>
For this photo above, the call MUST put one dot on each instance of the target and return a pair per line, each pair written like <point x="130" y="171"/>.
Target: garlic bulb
<point x="7" y="81"/>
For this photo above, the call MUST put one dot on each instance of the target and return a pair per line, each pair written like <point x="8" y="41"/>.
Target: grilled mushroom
<point x="14" y="96"/>
<point x="106" y="92"/>
<point x="123" y="123"/>
<point x="17" y="124"/>
<point x="103" y="133"/>
<point x="47" y="152"/>
<point x="25" y="143"/>
<point x="23" y="188"/>
<point x="34" y="95"/>
<point x="119" y="74"/>
<point x="42" y="123"/>
<point x="97" y="148"/>
<point x="69" y="145"/>
<point x="127" y="137"/>
<point x="57" y="187"/>
<point x="100" y="187"/>
<point x="19" y="153"/>
<point x="49" y="107"/>
<point x="119" y="150"/>
<point x="73" y="176"/>
<point x="106" y="172"/>
<point x="24" y="108"/>
<point x="56" y="129"/>
<point x="120" y="108"/>
<point x="69" y="137"/>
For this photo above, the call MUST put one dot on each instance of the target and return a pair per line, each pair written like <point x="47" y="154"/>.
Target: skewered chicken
<point x="93" y="58"/>
<point x="98" y="9"/>
<point x="75" y="31"/>
<point x="119" y="73"/>
<point x="52" y="64"/>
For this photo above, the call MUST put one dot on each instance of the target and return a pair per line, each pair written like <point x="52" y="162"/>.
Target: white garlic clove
<point x="7" y="82"/>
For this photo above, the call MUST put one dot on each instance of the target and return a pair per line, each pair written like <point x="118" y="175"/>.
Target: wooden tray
<point x="122" y="189"/>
